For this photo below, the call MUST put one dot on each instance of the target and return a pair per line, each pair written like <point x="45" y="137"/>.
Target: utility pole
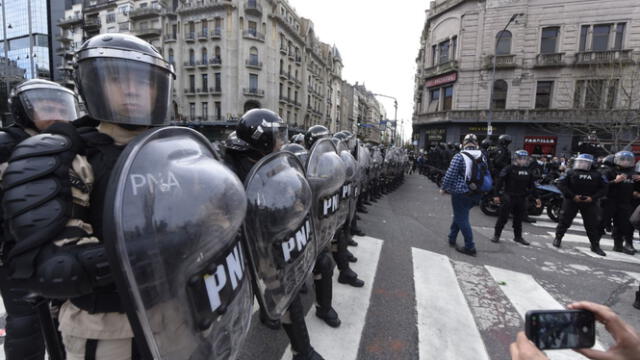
<point x="395" y="120"/>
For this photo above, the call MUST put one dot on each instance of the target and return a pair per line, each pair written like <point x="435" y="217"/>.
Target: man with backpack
<point x="518" y="182"/>
<point x="466" y="179"/>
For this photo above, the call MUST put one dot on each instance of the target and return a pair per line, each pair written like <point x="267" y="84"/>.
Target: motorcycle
<point x="551" y="200"/>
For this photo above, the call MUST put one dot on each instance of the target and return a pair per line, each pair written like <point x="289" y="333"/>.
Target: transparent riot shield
<point x="278" y="231"/>
<point x="171" y="218"/>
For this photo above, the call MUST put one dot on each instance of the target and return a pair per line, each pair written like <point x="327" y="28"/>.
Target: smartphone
<point x="561" y="329"/>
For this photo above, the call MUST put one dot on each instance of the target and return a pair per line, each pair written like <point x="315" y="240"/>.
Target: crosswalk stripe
<point x="444" y="316"/>
<point x="553" y="225"/>
<point x="611" y="256"/>
<point x="350" y="303"/>
<point x="526" y="294"/>
<point x="582" y="239"/>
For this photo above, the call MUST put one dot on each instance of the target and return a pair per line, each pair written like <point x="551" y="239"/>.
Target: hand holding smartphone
<point x="561" y="329"/>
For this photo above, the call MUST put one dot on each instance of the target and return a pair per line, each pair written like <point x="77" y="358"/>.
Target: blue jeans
<point x="461" y="205"/>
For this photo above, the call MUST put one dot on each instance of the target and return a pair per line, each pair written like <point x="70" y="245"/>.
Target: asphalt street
<point x="427" y="301"/>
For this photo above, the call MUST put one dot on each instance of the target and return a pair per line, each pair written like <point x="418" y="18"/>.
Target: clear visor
<point x="581" y="164"/>
<point x="49" y="105"/>
<point x="624" y="161"/>
<point x="280" y="136"/>
<point x="125" y="91"/>
<point x="521" y="160"/>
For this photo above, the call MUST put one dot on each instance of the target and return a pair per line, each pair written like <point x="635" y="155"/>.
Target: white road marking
<point x="582" y="239"/>
<point x="526" y="294"/>
<point x="611" y="256"/>
<point x="553" y="225"/>
<point x="350" y="303"/>
<point x="444" y="316"/>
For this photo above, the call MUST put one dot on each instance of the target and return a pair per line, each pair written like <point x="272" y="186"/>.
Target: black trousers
<point x="512" y="204"/>
<point x="24" y="340"/>
<point x="589" y="212"/>
<point x="619" y="213"/>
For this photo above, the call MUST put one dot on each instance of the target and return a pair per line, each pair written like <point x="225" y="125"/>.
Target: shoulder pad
<point x="7" y="144"/>
<point x="41" y="144"/>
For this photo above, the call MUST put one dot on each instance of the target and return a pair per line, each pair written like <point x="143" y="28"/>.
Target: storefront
<point x="541" y="145"/>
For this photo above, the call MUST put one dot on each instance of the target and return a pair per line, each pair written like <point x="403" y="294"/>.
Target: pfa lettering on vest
<point x="523" y="173"/>
<point x="330" y="205"/>
<point x="154" y="182"/>
<point x="585" y="177"/>
<point x="225" y="277"/>
<point x="297" y="242"/>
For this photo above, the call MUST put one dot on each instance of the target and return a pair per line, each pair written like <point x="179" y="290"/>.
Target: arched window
<point x="203" y="53"/>
<point x="192" y="57"/>
<point x="192" y="27"/>
<point x="253" y="56"/>
<point x="281" y="66"/>
<point x="503" y="43"/>
<point x="217" y="56"/>
<point x="171" y="59"/>
<point x="500" y="88"/>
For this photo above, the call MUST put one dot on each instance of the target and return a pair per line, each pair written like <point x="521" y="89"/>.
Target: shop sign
<point x="441" y="80"/>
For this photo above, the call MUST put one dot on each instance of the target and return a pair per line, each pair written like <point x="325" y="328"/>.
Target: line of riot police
<point x="150" y="242"/>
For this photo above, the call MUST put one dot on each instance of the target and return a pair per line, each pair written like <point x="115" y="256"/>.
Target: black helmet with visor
<point x="40" y="100"/>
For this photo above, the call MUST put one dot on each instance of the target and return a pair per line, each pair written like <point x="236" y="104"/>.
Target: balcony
<point x="202" y="6"/>
<point x="253" y="64"/>
<point x="253" y="35"/>
<point x="445" y="67"/>
<point x="215" y="62"/>
<point x="145" y="12"/>
<point x="189" y="64"/>
<point x="190" y="37"/>
<point x="536" y="116"/>
<point x="550" y="60"/>
<point x="298" y="82"/>
<point x="148" y="32"/>
<point x="290" y="79"/>
<point x="283" y="75"/>
<point x="203" y="35"/>
<point x="603" y="57"/>
<point x="253" y="8"/>
<point x="70" y="21"/>
<point x="253" y="92"/>
<point x="94" y="6"/>
<point x="215" y="91"/>
<point x="284" y="50"/>
<point x="298" y="59"/>
<point x="284" y="99"/>
<point x="190" y="91"/>
<point x="216" y="34"/>
<point x="91" y="25"/>
<point x="170" y="38"/>
<point x="502" y="62"/>
<point x="202" y="63"/>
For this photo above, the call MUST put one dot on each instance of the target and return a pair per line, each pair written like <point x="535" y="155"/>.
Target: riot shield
<point x="347" y="190"/>
<point x="326" y="174"/>
<point x="171" y="218"/>
<point x="278" y="230"/>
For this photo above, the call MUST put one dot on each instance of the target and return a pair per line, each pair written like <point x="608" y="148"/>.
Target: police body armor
<point x="172" y="217"/>
<point x="326" y="175"/>
<point x="347" y="190"/>
<point x="278" y="230"/>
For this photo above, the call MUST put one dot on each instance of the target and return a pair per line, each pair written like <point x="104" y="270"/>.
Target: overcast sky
<point x="378" y="40"/>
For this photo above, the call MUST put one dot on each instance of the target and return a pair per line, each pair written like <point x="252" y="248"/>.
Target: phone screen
<point x="561" y="329"/>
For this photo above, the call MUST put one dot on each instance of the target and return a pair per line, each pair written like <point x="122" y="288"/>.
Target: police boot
<point x="362" y="210"/>
<point x="313" y="355"/>
<point x="557" y="241"/>
<point x="349" y="277"/>
<point x="636" y="304"/>
<point x="628" y="246"/>
<point x="356" y="231"/>
<point x="350" y="241"/>
<point x="324" y="294"/>
<point x="496" y="236"/>
<point x="298" y="333"/>
<point x="521" y="241"/>
<point x="271" y="324"/>
<point x="351" y="257"/>
<point x="597" y="250"/>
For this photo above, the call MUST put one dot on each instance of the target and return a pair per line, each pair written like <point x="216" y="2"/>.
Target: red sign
<point x="444" y="79"/>
<point x="540" y="145"/>
<point x="540" y="140"/>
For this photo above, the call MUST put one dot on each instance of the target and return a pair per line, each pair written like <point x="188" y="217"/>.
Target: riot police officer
<point x="501" y="156"/>
<point x="617" y="205"/>
<point x="126" y="86"/>
<point x="298" y="139"/>
<point x="35" y="105"/>
<point x="518" y="183"/>
<point x="582" y="186"/>
<point x="263" y="132"/>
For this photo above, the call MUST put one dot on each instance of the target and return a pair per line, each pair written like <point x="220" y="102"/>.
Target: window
<point x="218" y="114"/>
<point x="192" y="27"/>
<point x="205" y="82"/>
<point x="600" y="41"/>
<point x="253" y="28"/>
<point x="543" y="94"/>
<point x="503" y="43"/>
<point x="448" y="98"/>
<point x="203" y="55"/>
<point x="612" y="93"/>
<point x="217" y="55"/>
<point x="577" y="94"/>
<point x="443" y="49"/>
<point x="217" y="25"/>
<point x="434" y="55"/>
<point x="111" y="17"/>
<point x="218" y="81"/>
<point x="500" y="89"/>
<point x="192" y="111"/>
<point x="593" y="95"/>
<point x="205" y="111"/>
<point x="192" y="83"/>
<point x="454" y="47"/>
<point x="171" y="58"/>
<point x="192" y="57"/>
<point x="253" y="56"/>
<point x="584" y="32"/>
<point x="549" y="41"/>
<point x="434" y="100"/>
<point x="617" y="45"/>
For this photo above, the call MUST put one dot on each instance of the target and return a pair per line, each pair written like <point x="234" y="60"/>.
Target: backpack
<point x="481" y="180"/>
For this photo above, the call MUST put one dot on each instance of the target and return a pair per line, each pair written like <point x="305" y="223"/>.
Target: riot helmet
<point x="504" y="140"/>
<point x="521" y="158"/>
<point x="351" y="139"/>
<point x="470" y="141"/>
<point x="298" y="150"/>
<point x="583" y="162"/>
<point x="624" y="159"/>
<point x="608" y="160"/>
<point x="124" y="80"/>
<point x="263" y="130"/>
<point x="298" y="139"/>
<point x="486" y="144"/>
<point x="314" y="133"/>
<point x="637" y="168"/>
<point x="233" y="143"/>
<point x="36" y="103"/>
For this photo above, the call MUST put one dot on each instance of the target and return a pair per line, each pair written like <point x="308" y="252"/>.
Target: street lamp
<point x="395" y="120"/>
<point x="493" y="72"/>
